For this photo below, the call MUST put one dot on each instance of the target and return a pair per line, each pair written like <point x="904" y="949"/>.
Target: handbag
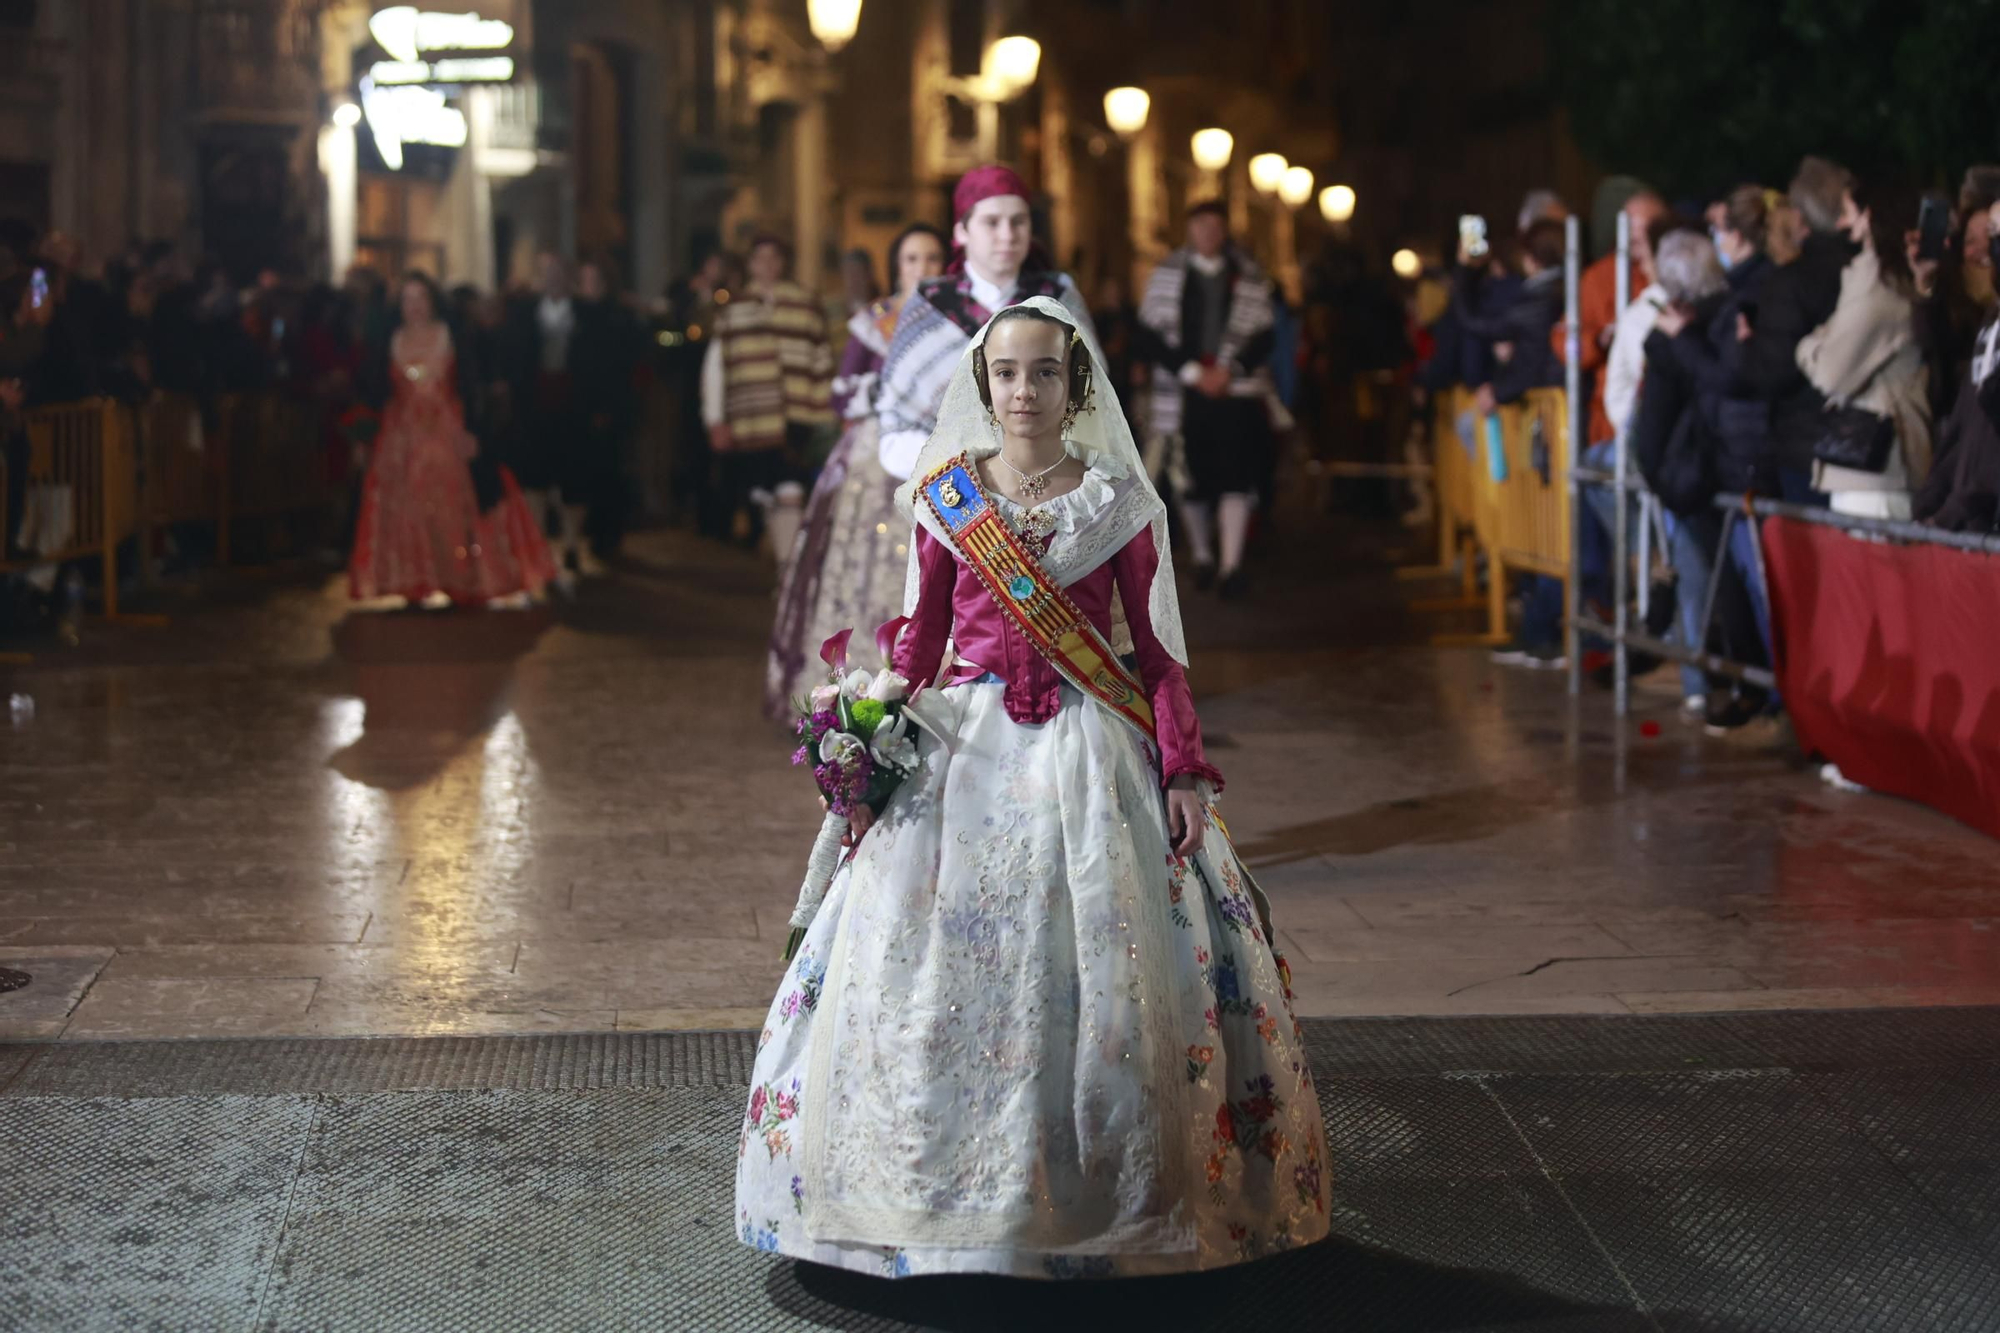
<point x="1854" y="438"/>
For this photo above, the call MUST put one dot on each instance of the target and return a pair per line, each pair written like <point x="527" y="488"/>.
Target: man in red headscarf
<point x="995" y="263"/>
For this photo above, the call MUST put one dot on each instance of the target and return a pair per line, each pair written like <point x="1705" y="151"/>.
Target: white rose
<point x="893" y="745"/>
<point x="824" y="698"/>
<point x="888" y="687"/>
<point x="841" y="749"/>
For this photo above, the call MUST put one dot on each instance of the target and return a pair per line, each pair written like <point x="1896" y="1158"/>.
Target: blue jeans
<point x="1743" y="552"/>
<point x="1599" y="523"/>
<point x="1692" y="554"/>
<point x="1541" y="612"/>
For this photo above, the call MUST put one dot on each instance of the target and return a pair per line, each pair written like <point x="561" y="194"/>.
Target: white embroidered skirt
<point x="1020" y="1039"/>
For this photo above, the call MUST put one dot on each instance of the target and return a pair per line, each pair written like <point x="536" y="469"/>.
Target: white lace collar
<point x="1091" y="523"/>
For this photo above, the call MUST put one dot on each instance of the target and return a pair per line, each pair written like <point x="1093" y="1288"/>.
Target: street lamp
<point x="833" y="21"/>
<point x="1212" y="148"/>
<point x="1296" y="187"/>
<point x="1125" y="110"/>
<point x="1336" y="203"/>
<point x="1267" y="172"/>
<point x="1011" y="65"/>
<point x="1406" y="263"/>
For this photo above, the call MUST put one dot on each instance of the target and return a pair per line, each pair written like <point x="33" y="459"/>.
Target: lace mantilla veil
<point x="1100" y="437"/>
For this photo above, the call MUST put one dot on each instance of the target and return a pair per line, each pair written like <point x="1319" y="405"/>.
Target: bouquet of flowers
<point x="855" y="734"/>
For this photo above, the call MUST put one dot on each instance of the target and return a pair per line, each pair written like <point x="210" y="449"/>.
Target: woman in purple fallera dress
<point x="847" y="567"/>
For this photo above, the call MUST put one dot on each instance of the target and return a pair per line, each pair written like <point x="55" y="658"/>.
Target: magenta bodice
<point x="953" y="604"/>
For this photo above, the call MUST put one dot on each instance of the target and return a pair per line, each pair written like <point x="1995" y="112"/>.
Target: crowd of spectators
<point x="148" y="325"/>
<point x="1829" y="345"/>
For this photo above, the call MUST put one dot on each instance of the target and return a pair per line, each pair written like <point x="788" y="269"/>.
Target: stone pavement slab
<point x="284" y="816"/>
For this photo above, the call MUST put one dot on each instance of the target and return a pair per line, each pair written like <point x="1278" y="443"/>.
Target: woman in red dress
<point x="428" y="531"/>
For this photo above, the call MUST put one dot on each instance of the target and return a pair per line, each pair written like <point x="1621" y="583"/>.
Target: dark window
<point x="968" y="35"/>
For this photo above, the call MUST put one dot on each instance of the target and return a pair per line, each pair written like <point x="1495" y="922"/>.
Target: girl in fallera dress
<point x="847" y="566"/>
<point x="1037" y="1026"/>
<point x="439" y="525"/>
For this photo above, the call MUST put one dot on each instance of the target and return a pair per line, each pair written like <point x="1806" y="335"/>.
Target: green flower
<point x="866" y="715"/>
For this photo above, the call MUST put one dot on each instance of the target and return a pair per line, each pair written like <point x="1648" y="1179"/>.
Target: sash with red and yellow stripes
<point x="1036" y="604"/>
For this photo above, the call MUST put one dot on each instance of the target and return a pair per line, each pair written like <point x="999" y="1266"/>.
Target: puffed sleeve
<point x="1164" y="678"/>
<point x="920" y="650"/>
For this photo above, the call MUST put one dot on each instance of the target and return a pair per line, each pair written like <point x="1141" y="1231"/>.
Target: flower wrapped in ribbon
<point x="856" y="733"/>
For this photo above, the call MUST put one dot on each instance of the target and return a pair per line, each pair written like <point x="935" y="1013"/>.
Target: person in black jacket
<point x="1745" y="459"/>
<point x="1526" y="360"/>
<point x="1794" y="300"/>
<point x="1677" y="439"/>
<point x="1519" y="334"/>
<point x="1962" y="492"/>
<point x="606" y="361"/>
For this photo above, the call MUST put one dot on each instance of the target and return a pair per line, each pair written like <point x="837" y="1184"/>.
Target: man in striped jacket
<point x="766" y="382"/>
<point x="1206" y="327"/>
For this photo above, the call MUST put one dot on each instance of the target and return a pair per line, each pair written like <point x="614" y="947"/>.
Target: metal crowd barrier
<point x="101" y="472"/>
<point x="79" y="495"/>
<point x="1510" y="512"/>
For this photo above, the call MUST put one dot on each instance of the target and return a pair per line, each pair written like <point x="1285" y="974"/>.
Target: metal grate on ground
<point x="1820" y="1172"/>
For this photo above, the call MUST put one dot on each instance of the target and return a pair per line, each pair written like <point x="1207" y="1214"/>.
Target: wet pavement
<point x="279" y="816"/>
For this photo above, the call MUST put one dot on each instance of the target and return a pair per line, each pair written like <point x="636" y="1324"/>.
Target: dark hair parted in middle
<point x="1075" y="361"/>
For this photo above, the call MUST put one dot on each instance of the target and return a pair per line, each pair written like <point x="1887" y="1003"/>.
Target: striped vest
<point x="777" y="366"/>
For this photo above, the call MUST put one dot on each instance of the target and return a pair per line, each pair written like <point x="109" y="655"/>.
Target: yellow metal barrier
<point x="1520" y="522"/>
<point x="275" y="463"/>
<point x="256" y="456"/>
<point x="80" y="494"/>
<point x="1534" y="533"/>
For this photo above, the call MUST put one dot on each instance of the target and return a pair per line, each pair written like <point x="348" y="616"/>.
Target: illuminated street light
<point x="1406" y="263"/>
<point x="1267" y="172"/>
<point x="1212" y="148"/>
<point x="1125" y="110"/>
<point x="347" y="115"/>
<point x="405" y="32"/>
<point x="1296" y="187"/>
<point x="833" y="21"/>
<point x="1336" y="203"/>
<point x="1011" y="65"/>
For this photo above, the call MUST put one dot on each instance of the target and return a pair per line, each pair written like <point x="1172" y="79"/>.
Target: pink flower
<point x="756" y="1106"/>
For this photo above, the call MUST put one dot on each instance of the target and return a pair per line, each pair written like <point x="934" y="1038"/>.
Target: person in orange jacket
<point x="1597" y="306"/>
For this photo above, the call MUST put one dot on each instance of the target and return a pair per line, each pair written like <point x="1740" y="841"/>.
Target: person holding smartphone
<point x="1947" y="253"/>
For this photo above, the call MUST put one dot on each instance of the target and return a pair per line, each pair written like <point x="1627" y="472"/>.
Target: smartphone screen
<point x="1932" y="222"/>
<point x="1472" y="234"/>
<point x="38" y="288"/>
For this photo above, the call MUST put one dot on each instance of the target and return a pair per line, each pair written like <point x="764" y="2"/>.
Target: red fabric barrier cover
<point x="1889" y="662"/>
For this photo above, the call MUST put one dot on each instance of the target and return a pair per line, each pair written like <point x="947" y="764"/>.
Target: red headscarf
<point x="982" y="183"/>
<point x="992" y="181"/>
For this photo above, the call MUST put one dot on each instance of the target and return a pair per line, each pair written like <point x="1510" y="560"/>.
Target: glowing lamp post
<point x="1011" y="65"/>
<point x="833" y="21"/>
<point x="1296" y="187"/>
<point x="1406" y="263"/>
<point x="1336" y="203"/>
<point x="1212" y="148"/>
<point x="1267" y="172"/>
<point x="1126" y="109"/>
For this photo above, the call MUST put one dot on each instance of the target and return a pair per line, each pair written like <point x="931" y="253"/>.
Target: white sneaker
<point x="436" y="601"/>
<point x="1695" y="706"/>
<point x="1839" y="781"/>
